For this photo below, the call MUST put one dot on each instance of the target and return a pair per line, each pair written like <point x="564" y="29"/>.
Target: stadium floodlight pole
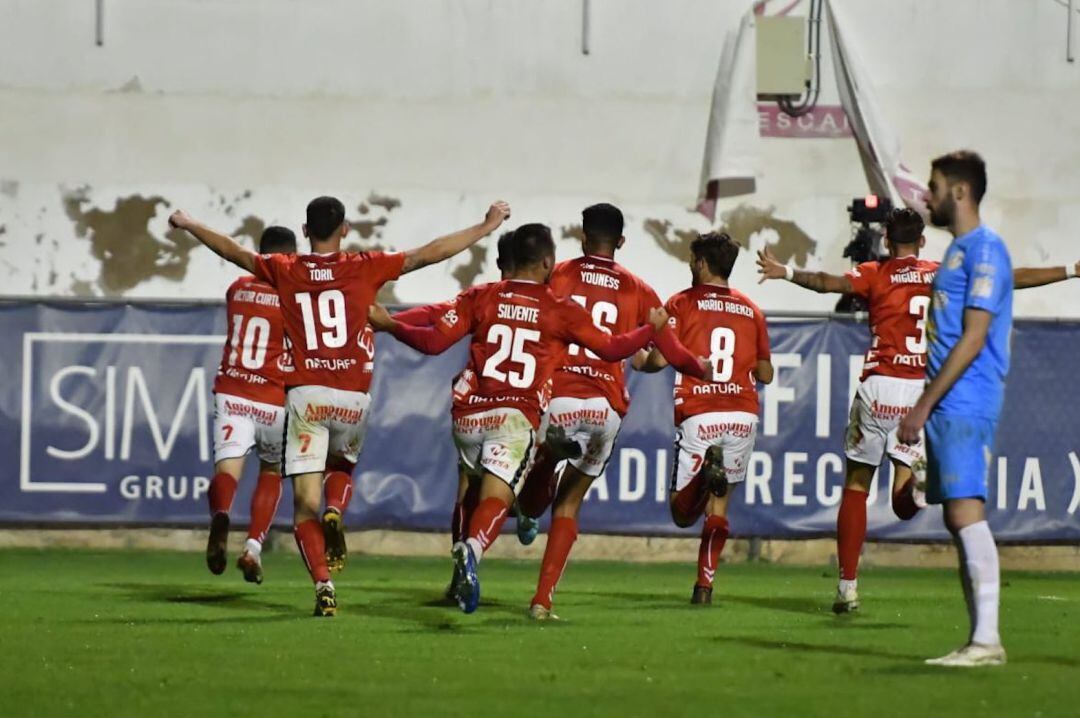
<point x="1068" y="34"/>
<point x="99" y="22"/>
<point x="585" y="15"/>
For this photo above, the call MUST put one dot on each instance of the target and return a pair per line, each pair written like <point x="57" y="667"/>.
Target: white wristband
<point x="789" y="273"/>
<point x="1070" y="271"/>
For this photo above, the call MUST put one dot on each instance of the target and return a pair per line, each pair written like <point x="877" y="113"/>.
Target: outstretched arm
<point x="769" y="267"/>
<point x="619" y="346"/>
<point x="1028" y="277"/>
<point x="445" y="247"/>
<point x="677" y="355"/>
<point x="221" y="244"/>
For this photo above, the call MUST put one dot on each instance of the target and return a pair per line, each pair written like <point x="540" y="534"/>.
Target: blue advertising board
<point x="105" y="417"/>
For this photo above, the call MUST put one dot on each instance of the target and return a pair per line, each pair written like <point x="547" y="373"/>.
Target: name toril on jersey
<point x="254" y="361"/>
<point x="324" y="302"/>
<point x="618" y="301"/>
<point x="898" y="294"/>
<point x="727" y="327"/>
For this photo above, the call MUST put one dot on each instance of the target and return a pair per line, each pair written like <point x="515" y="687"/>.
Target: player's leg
<point x="737" y="445"/>
<point x="697" y="474"/>
<point x="468" y="496"/>
<point x="562" y="534"/>
<point x="851" y="532"/>
<point x="958" y="456"/>
<point x="557" y="443"/>
<point x="864" y="447"/>
<point x="306" y="448"/>
<point x="264" y="506"/>
<point x="597" y="439"/>
<point x="270" y="443"/>
<point x="504" y="456"/>
<point x="337" y="493"/>
<point x="714" y="535"/>
<point x="346" y="440"/>
<point x="307" y="499"/>
<point x="909" y="477"/>
<point x="234" y="436"/>
<point x="220" y="496"/>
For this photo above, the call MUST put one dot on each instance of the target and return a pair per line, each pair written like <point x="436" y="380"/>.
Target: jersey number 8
<point x="722" y="353"/>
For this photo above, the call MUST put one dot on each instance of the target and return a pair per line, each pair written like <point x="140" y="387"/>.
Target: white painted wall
<point x="446" y="105"/>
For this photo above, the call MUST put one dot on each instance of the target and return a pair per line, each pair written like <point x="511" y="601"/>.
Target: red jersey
<point x="325" y="300"/>
<point x="520" y="335"/>
<point x="724" y="325"/>
<point x="254" y="361"/>
<point x="618" y="302"/>
<point x="898" y="292"/>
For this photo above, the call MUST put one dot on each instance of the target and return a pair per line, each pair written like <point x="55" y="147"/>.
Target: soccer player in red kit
<point x="897" y="291"/>
<point x="325" y="297"/>
<point x="249" y="393"/>
<point x="589" y="397"/>
<point x="717" y="417"/>
<point x="520" y="334"/>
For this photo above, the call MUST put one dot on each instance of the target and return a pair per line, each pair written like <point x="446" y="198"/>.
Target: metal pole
<point x="99" y="22"/>
<point x="1068" y="34"/>
<point x="585" y="27"/>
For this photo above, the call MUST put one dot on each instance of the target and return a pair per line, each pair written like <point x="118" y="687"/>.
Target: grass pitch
<point x="152" y="633"/>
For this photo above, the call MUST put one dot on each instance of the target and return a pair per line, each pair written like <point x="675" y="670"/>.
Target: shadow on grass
<point x="791" y="604"/>
<point x="183" y="594"/>
<point x="798" y="646"/>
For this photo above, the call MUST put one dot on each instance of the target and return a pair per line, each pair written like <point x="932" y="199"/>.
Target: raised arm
<point x="445" y="247"/>
<point x="972" y="341"/>
<point x="221" y="244"/>
<point x="769" y="267"/>
<point x="1028" y="277"/>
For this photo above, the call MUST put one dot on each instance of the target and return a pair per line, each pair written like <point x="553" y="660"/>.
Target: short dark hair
<point x="963" y="166"/>
<point x="277" y="240"/>
<point x="529" y="245"/>
<point x="904" y="225"/>
<point x="718" y="250"/>
<point x="602" y="224"/>
<point x="324" y="216"/>
<point x="503" y="259"/>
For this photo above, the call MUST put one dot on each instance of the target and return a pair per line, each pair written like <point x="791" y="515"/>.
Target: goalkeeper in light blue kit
<point x="969" y="330"/>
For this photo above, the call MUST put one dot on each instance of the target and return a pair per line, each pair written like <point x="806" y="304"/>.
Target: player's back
<point x="324" y="301"/>
<point x="254" y="361"/>
<point x="898" y="293"/>
<point x="724" y="325"/>
<point x="618" y="301"/>
<point x="518" y="339"/>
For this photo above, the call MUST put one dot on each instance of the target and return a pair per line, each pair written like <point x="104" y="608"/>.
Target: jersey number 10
<point x="249" y="341"/>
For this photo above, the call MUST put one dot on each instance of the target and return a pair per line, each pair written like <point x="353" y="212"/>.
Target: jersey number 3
<point x="510" y="347"/>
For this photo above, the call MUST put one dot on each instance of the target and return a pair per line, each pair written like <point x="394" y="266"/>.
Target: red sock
<point x="487" y="521"/>
<point x="850" y="532"/>
<point x="903" y="502"/>
<point x="538" y="491"/>
<point x="561" y="539"/>
<point x="221" y="493"/>
<point x="713" y="537"/>
<point x="463" y="511"/>
<point x="264" y="504"/>
<point x="337" y="489"/>
<point x="309" y="537"/>
<point x="691" y="500"/>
